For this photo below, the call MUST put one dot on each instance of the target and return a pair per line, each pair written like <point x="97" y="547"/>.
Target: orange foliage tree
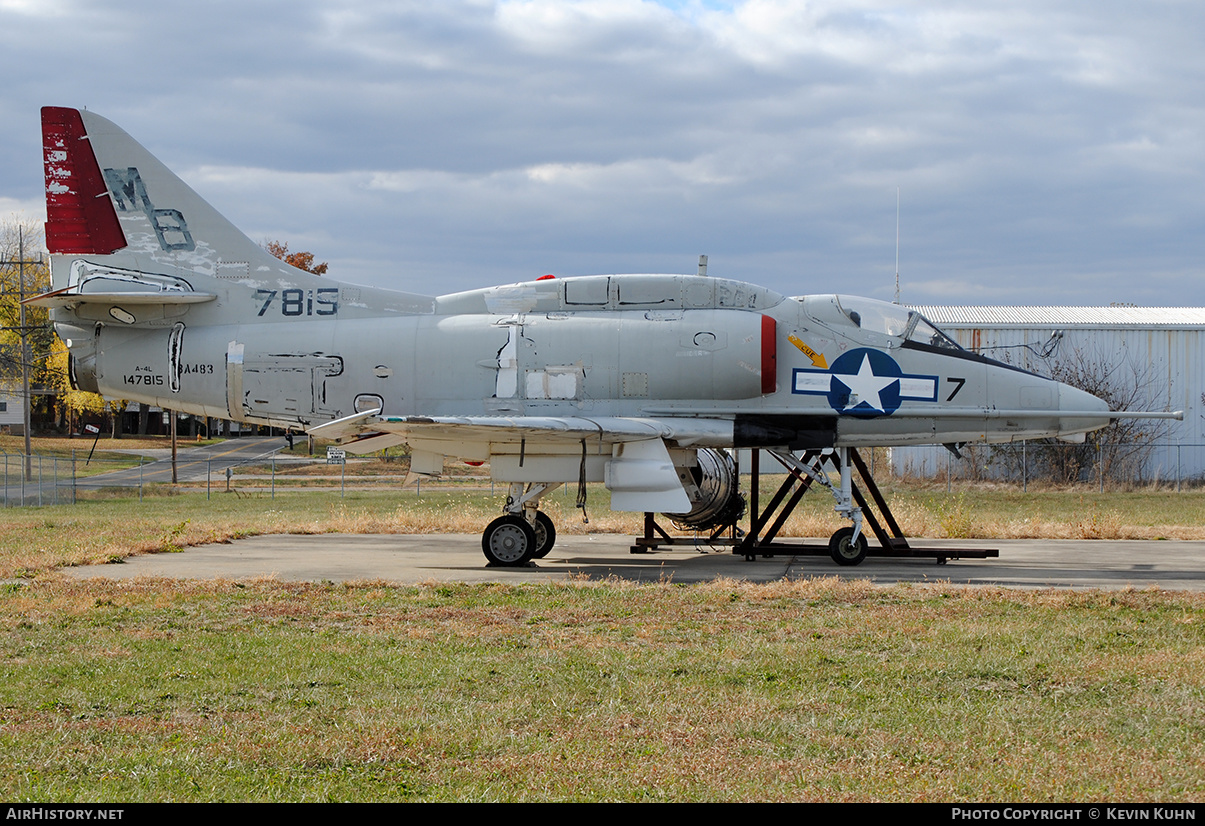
<point x="300" y="260"/>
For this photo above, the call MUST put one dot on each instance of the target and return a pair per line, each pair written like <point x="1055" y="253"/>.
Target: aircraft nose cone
<point x="1074" y="402"/>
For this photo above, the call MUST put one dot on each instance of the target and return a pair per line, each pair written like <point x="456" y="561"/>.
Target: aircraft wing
<point x="374" y="432"/>
<point x="631" y="455"/>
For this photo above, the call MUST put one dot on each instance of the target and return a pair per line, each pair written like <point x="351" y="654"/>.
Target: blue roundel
<point x="865" y="383"/>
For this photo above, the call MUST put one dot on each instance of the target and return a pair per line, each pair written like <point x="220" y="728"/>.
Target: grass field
<point x="812" y="690"/>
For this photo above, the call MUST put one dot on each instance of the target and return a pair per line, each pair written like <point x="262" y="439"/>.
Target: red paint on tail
<point x="79" y="213"/>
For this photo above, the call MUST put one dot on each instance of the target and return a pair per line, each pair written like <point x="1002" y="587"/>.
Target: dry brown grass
<point x="63" y="446"/>
<point x="38" y="539"/>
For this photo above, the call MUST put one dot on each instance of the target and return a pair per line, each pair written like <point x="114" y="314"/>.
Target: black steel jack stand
<point x="755" y="543"/>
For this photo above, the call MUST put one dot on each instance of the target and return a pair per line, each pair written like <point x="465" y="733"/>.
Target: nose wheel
<point x="845" y="550"/>
<point x="509" y="540"/>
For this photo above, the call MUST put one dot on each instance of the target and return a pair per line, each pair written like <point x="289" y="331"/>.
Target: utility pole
<point x="20" y="264"/>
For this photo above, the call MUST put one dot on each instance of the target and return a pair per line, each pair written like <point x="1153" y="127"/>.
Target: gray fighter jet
<point x="642" y="382"/>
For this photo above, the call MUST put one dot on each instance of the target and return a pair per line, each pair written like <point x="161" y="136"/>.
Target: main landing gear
<point x="523" y="533"/>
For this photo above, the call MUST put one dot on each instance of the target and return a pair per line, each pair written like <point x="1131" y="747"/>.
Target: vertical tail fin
<point x="115" y="213"/>
<point x="106" y="194"/>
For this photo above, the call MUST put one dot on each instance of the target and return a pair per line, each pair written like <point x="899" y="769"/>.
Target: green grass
<point x="610" y="691"/>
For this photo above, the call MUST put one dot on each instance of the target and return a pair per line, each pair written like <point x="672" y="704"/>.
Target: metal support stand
<point x="643" y="544"/>
<point x="883" y="524"/>
<point x="765" y="525"/>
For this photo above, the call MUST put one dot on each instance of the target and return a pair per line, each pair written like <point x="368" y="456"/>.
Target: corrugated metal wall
<point x="1166" y="360"/>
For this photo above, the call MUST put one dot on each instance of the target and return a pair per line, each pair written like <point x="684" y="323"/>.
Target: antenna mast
<point x="897" y="245"/>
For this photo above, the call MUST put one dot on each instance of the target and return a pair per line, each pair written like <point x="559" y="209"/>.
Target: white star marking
<point x="865" y="386"/>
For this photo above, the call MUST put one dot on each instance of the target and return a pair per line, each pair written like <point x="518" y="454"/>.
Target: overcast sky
<point x="1044" y="152"/>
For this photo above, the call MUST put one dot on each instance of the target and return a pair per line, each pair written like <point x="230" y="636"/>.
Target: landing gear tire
<point x="508" y="541"/>
<point x="844" y="551"/>
<point x="545" y="535"/>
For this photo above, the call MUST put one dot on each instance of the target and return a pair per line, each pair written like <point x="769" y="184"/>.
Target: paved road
<point x="409" y="559"/>
<point x="52" y="481"/>
<point x="192" y="463"/>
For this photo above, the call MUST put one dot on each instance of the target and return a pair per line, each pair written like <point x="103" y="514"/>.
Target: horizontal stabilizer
<point x="71" y="297"/>
<point x="353" y="425"/>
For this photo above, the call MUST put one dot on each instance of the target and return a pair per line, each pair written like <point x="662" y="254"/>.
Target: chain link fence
<point x="1106" y="465"/>
<point x="39" y="480"/>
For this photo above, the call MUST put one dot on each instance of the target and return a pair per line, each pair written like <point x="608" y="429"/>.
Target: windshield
<point x="923" y="332"/>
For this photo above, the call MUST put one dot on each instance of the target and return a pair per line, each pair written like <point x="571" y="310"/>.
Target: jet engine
<point x="712" y="483"/>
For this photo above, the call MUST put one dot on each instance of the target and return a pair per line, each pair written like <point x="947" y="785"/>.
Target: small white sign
<point x="335" y="455"/>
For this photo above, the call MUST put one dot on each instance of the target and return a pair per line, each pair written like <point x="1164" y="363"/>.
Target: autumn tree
<point x="26" y="337"/>
<point x="22" y="241"/>
<point x="300" y="260"/>
<point x="44" y="353"/>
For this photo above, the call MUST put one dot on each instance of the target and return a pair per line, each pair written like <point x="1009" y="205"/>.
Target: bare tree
<point x="1121" y="451"/>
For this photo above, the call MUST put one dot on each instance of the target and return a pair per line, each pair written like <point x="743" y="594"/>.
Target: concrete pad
<point x="1026" y="563"/>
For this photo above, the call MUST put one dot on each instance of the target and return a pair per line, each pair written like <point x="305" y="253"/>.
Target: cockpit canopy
<point x="874" y="322"/>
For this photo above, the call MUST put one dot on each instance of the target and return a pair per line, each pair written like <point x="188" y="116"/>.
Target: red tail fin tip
<point x="79" y="214"/>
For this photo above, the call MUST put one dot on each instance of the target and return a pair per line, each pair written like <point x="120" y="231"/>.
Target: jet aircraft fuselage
<point x="637" y="381"/>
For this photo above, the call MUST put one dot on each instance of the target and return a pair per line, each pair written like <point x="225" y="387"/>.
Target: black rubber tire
<point x="545" y="535"/>
<point x="845" y="552"/>
<point x="508" y="541"/>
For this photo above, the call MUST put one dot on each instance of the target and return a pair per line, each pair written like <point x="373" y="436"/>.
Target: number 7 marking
<point x="953" y="393"/>
<point x="270" y="294"/>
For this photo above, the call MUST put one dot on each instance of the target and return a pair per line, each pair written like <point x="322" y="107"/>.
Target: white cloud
<point x="1036" y="146"/>
<point x="34" y="8"/>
